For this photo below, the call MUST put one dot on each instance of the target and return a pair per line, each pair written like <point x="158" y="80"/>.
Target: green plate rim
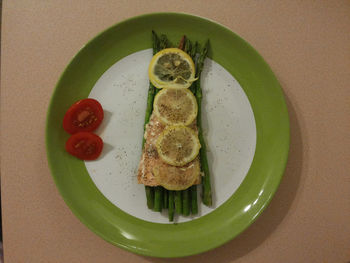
<point x="232" y="224"/>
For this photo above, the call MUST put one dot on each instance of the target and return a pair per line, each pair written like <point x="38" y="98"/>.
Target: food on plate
<point x="83" y="116"/>
<point x="173" y="160"/>
<point x="85" y="145"/>
<point x="171" y="67"/>
<point x="154" y="171"/>
<point x="171" y="179"/>
<point x="80" y="120"/>
<point x="175" y="106"/>
<point x="178" y="145"/>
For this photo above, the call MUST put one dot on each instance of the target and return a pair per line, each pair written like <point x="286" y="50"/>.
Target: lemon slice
<point x="175" y="106"/>
<point x="171" y="67"/>
<point x="177" y="178"/>
<point x="178" y="145"/>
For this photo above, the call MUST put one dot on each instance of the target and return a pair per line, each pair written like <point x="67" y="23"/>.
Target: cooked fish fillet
<point x="151" y="162"/>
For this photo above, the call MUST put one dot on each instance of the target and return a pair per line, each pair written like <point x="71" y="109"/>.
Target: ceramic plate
<point x="246" y="129"/>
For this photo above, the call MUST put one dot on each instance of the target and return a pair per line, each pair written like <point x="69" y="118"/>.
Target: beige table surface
<point x="307" y="44"/>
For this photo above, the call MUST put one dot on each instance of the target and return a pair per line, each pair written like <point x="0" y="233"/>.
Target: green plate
<point x="241" y="209"/>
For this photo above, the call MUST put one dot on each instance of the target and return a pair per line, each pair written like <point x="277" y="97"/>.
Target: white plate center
<point x="228" y="124"/>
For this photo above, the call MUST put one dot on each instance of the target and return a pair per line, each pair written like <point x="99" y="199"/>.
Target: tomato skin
<point x="84" y="145"/>
<point x="83" y="116"/>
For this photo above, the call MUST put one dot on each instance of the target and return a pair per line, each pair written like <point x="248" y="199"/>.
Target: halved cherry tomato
<point x="85" y="145"/>
<point x="85" y="115"/>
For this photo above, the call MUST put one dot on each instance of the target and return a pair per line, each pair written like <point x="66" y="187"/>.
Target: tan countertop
<point x="307" y="44"/>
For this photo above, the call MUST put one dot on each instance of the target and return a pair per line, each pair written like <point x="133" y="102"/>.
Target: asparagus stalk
<point x="160" y="192"/>
<point x="158" y="199"/>
<point x="151" y="92"/>
<point x="149" y="109"/>
<point x="155" y="42"/>
<point x="193" y="190"/>
<point x="178" y="196"/>
<point x="149" y="190"/>
<point x="186" y="202"/>
<point x="150" y="196"/>
<point x="206" y="187"/>
<point x="188" y="47"/>
<point x="194" y="205"/>
<point x="178" y="202"/>
<point x="192" y="193"/>
<point x="151" y="89"/>
<point x="200" y="63"/>
<point x="192" y="52"/>
<point x="171" y="206"/>
<point x="165" y="198"/>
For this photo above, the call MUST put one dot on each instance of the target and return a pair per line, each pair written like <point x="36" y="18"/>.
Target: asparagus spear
<point x="192" y="52"/>
<point x="161" y="193"/>
<point x="155" y="42"/>
<point x="158" y="198"/>
<point x="178" y="195"/>
<point x="186" y="202"/>
<point x="163" y="42"/>
<point x="194" y="205"/>
<point x="149" y="109"/>
<point x="178" y="202"/>
<point x="165" y="198"/>
<point x="188" y="47"/>
<point x="171" y="206"/>
<point x="151" y="92"/>
<point x="192" y="196"/>
<point x="206" y="198"/>
<point x="150" y="196"/>
<point x="151" y="89"/>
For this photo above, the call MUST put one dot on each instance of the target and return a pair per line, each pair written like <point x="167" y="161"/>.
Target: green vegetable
<point x="163" y="43"/>
<point x="158" y="198"/>
<point x="150" y="97"/>
<point x="171" y="206"/>
<point x="186" y="202"/>
<point x="194" y="204"/>
<point x="150" y="196"/>
<point x="165" y="198"/>
<point x="206" y="186"/>
<point x="178" y="202"/>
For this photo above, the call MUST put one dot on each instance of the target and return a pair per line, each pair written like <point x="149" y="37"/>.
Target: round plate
<point x="248" y="201"/>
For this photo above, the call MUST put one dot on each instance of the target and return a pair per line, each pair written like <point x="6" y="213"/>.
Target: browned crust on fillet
<point x="151" y="159"/>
